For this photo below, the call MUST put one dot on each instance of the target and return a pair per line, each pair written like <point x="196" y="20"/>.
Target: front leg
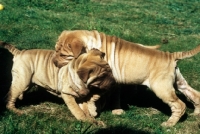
<point x="77" y="111"/>
<point x="91" y="105"/>
<point x="84" y="106"/>
<point x="74" y="108"/>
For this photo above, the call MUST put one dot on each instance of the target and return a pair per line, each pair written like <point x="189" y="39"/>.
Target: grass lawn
<point x="27" y="24"/>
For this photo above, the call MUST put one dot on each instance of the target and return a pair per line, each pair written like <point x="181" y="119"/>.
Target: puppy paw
<point x="118" y="111"/>
<point x="196" y="111"/>
<point x="168" y="124"/>
<point x="15" y="110"/>
<point x="195" y="114"/>
<point x="93" y="113"/>
<point x="20" y="97"/>
<point x="100" y="124"/>
<point x="95" y="122"/>
<point x="18" y="112"/>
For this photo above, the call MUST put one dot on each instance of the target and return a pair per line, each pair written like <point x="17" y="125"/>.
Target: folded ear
<point x="83" y="73"/>
<point x="60" y="40"/>
<point x="77" y="47"/>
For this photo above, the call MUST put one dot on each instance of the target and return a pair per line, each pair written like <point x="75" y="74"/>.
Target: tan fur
<point x="131" y="63"/>
<point x="36" y="66"/>
<point x="189" y="92"/>
<point x="89" y="106"/>
<point x="96" y="101"/>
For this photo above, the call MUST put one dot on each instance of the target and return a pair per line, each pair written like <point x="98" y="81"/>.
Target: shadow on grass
<point x="120" y="130"/>
<point x="37" y="95"/>
<point x="5" y="75"/>
<point x="143" y="97"/>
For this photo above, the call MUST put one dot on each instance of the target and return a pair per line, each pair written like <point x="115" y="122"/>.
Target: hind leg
<point x="165" y="91"/>
<point x="20" y="83"/>
<point x="192" y="95"/>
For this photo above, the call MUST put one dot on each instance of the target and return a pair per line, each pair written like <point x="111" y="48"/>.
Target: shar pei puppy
<point x="71" y="82"/>
<point x="133" y="63"/>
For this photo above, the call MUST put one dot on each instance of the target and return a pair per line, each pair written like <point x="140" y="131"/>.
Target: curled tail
<point x="10" y="48"/>
<point x="153" y="47"/>
<point x="186" y="54"/>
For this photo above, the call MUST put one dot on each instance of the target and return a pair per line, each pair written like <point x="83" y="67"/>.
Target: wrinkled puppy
<point x="71" y="82"/>
<point x="132" y="63"/>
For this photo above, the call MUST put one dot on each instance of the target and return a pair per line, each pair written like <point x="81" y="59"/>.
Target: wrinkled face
<point x="68" y="46"/>
<point x="94" y="71"/>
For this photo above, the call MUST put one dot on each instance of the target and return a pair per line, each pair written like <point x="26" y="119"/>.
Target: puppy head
<point x="94" y="71"/>
<point x="68" y="46"/>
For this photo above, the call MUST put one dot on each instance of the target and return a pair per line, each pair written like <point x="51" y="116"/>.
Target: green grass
<point x="37" y="24"/>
